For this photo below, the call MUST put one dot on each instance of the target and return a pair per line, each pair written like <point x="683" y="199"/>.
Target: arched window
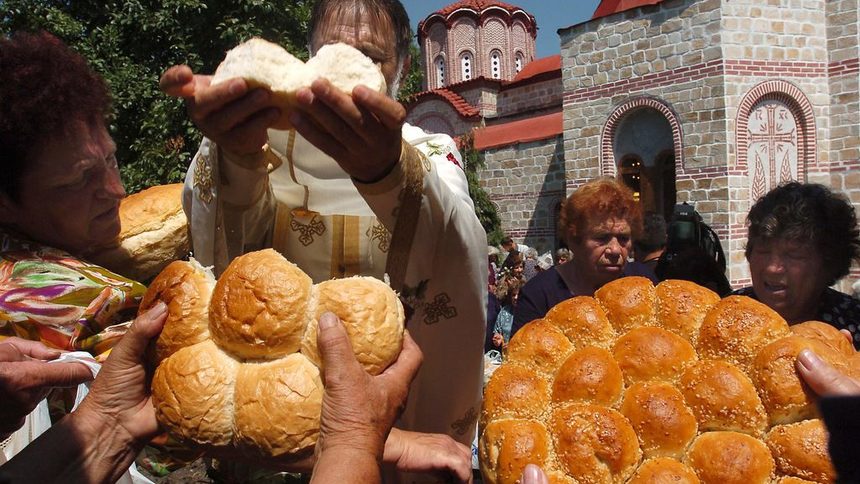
<point x="519" y="62"/>
<point x="466" y="66"/>
<point x="496" y="64"/>
<point x="440" y="71"/>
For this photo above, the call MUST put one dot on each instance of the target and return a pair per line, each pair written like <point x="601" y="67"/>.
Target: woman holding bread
<point x="802" y="238"/>
<point x="598" y="222"/>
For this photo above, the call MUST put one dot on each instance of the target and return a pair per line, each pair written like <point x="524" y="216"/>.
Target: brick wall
<point x="526" y="182"/>
<point x="437" y="116"/>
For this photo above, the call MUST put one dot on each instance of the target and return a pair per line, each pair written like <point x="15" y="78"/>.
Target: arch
<point x="496" y="62"/>
<point x="439" y="71"/>
<point x="435" y="123"/>
<point x="799" y="106"/>
<point x="519" y="62"/>
<point x="467" y="65"/>
<point x="607" y="137"/>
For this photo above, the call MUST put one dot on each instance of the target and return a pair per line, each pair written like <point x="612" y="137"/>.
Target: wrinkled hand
<point x="361" y="131"/>
<point x="229" y="113"/>
<point x="824" y="379"/>
<point x="121" y="393"/>
<point x="358" y="410"/>
<point x="436" y="454"/>
<point x="533" y="474"/>
<point x="26" y="377"/>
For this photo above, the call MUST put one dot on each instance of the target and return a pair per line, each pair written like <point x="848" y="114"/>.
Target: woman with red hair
<point x="598" y="223"/>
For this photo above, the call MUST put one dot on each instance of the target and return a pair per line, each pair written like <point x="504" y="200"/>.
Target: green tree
<point x="484" y="208"/>
<point x="131" y="42"/>
<point x="413" y="81"/>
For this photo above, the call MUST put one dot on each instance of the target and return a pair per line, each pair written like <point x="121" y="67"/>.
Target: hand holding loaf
<point x="239" y="364"/>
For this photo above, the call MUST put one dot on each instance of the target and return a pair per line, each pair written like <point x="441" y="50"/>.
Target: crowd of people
<point x="353" y="169"/>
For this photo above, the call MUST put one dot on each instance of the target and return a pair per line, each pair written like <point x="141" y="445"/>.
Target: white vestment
<point x="419" y="216"/>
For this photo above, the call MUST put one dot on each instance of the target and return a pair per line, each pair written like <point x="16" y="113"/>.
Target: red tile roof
<point x="456" y="101"/>
<point x="609" y="7"/>
<point x="522" y="131"/>
<point x="539" y="66"/>
<point x="476" y="5"/>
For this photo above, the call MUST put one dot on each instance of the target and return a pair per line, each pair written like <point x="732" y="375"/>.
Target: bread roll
<point x="737" y="328"/>
<point x="153" y="233"/>
<point x="268" y="65"/>
<point x="649" y="353"/>
<point x="663" y="470"/>
<point x="629" y="302"/>
<point x="231" y="377"/>
<point x="539" y="345"/>
<point x="792" y="480"/>
<point x="682" y="306"/>
<point x="589" y="375"/>
<point x="825" y="333"/>
<point x="785" y="396"/>
<point x="594" y="444"/>
<point x="662" y="420"/>
<point x="507" y="446"/>
<point x="373" y="317"/>
<point x="730" y="458"/>
<point x="192" y="393"/>
<point x="186" y="288"/>
<point x="514" y="392"/>
<point x="287" y="391"/>
<point x="259" y="306"/>
<point x="723" y="398"/>
<point x="800" y="450"/>
<point x="583" y="321"/>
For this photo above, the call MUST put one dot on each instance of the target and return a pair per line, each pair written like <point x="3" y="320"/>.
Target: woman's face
<point x="70" y="193"/>
<point x="600" y="254"/>
<point x="789" y="277"/>
<point x="518" y="269"/>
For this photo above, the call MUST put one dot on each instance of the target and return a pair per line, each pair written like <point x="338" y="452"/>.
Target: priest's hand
<point x="824" y="379"/>
<point x="231" y="114"/>
<point x="361" y="130"/>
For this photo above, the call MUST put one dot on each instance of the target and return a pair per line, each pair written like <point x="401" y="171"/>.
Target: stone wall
<point x="526" y="182"/>
<point x="529" y="99"/>
<point x="705" y="64"/>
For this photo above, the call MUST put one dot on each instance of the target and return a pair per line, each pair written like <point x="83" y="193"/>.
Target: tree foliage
<point x="131" y="42"/>
<point x="484" y="208"/>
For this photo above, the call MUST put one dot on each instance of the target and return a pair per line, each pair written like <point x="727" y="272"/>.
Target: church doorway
<point x="645" y="156"/>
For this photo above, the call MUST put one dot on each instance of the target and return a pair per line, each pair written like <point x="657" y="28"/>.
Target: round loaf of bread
<point x="153" y="233"/>
<point x="800" y="450"/>
<point x="583" y="321"/>
<point x="827" y="334"/>
<point x="723" y="398"/>
<point x="730" y="458"/>
<point x="671" y="375"/>
<point x="539" y="345"/>
<point x="270" y="66"/>
<point x="785" y="396"/>
<point x="509" y="445"/>
<point x="662" y="420"/>
<point x="238" y="371"/>
<point x="737" y="328"/>
<point x="629" y="302"/>
<point x="663" y="470"/>
<point x="648" y="353"/>
<point x="589" y="375"/>
<point x="594" y="443"/>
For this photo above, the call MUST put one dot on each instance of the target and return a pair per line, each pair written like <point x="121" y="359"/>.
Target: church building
<point x="712" y="102"/>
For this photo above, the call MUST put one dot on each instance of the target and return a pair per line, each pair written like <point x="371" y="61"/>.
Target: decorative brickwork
<point x="607" y="156"/>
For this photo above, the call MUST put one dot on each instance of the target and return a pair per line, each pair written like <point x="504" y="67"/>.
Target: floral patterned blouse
<point x="49" y="295"/>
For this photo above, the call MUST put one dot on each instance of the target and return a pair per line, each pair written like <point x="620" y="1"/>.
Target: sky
<point x="551" y="15"/>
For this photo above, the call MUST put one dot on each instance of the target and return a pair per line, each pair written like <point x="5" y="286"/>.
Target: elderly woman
<point x="801" y="239"/>
<point x="598" y="222"/>
<point x="59" y="199"/>
<point x="561" y="256"/>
